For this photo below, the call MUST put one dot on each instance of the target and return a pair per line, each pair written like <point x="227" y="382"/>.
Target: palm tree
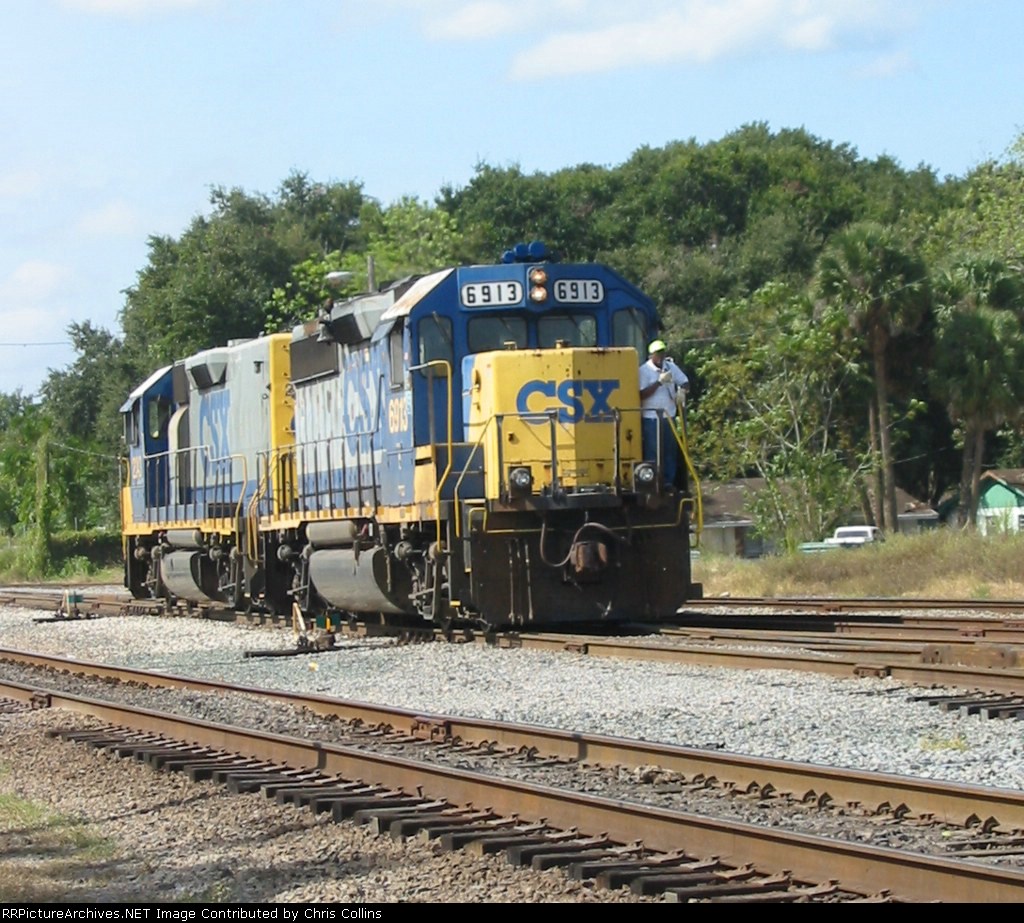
<point x="881" y="283"/>
<point x="979" y="362"/>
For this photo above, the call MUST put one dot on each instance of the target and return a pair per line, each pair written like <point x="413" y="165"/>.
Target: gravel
<point x="132" y="835"/>
<point x="867" y="724"/>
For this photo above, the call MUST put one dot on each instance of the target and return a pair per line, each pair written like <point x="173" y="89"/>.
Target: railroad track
<point x="861" y="604"/>
<point x="751" y="608"/>
<point x="979" y="655"/>
<point x="990" y="818"/>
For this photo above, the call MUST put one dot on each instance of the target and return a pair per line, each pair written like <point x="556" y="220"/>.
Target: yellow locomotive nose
<point x="554" y="420"/>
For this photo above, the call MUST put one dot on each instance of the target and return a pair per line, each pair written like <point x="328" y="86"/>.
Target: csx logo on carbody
<point x="576" y="400"/>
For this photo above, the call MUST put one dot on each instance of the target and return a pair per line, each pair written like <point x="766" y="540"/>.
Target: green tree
<point x="988" y="221"/>
<point x="82" y="406"/>
<point x="22" y="425"/>
<point x="979" y="366"/>
<point x="307" y="290"/>
<point x="407" y="238"/>
<point x="881" y="284"/>
<point x="213" y="283"/>
<point x="775" y="381"/>
<point x="40" y="556"/>
<point x="83" y="399"/>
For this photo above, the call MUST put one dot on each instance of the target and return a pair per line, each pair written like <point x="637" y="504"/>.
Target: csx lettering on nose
<point x="576" y="400"/>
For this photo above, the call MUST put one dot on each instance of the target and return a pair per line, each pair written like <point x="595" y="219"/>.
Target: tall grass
<point x="939" y="563"/>
<point x="48" y="856"/>
<point x="19" y="565"/>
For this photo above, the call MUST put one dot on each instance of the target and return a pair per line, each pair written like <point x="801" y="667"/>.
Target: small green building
<point x="1001" y="501"/>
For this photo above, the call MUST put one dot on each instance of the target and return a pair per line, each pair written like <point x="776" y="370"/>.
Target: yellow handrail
<point x="447" y="366"/>
<point x="465" y="471"/>
<point x="680" y="434"/>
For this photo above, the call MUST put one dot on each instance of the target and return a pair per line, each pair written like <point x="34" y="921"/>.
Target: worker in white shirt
<point x="663" y="386"/>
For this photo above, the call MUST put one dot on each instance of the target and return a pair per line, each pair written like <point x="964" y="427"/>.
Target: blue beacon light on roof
<point x="532" y="252"/>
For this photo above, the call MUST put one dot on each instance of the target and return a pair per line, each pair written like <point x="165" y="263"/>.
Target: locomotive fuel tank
<point x="349" y="577"/>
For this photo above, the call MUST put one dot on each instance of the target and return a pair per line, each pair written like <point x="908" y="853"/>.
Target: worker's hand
<point x="665" y="377"/>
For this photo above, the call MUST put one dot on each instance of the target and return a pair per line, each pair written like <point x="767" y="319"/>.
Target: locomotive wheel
<point x="137" y="572"/>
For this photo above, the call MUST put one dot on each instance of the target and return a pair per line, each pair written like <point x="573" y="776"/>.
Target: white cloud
<point x="889" y="65"/>
<point x="30" y="285"/>
<point x="589" y="36"/>
<point x="485" y="19"/>
<point x="114" y="219"/>
<point x="812" y="33"/>
<point x="701" y="32"/>
<point x="18" y="185"/>
<point x="472" y="20"/>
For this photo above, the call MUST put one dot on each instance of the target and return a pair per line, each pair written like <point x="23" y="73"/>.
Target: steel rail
<point x="913" y="630"/>
<point x="902" y="627"/>
<point x="814" y="604"/>
<point x="858" y="868"/>
<point x="965" y="676"/>
<point x="964" y="629"/>
<point x="958" y="804"/>
<point x="857" y="603"/>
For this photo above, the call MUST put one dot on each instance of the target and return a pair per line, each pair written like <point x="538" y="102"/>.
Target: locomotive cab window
<point x="496" y="332"/>
<point x="158" y="412"/>
<point x="131" y="425"/>
<point x="629" y="328"/>
<point x="435" y="343"/>
<point x="574" y="329"/>
<point x="396" y="353"/>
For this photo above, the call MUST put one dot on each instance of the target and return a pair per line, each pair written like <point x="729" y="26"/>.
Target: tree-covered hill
<point x="851" y="325"/>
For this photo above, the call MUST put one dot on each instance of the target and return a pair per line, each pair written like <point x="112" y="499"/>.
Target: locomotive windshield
<point x="629" y="328"/>
<point x="573" y="329"/>
<point x="495" y="331"/>
<point x="435" y="334"/>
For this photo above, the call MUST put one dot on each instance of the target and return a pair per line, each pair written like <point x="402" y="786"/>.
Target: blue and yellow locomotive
<point x="460" y="447"/>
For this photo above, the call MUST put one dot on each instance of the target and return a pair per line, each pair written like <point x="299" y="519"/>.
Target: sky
<point x="118" y="117"/>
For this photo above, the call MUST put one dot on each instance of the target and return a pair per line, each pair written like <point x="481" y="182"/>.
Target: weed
<point x="938" y="563"/>
<point x="932" y="742"/>
<point x="46" y="855"/>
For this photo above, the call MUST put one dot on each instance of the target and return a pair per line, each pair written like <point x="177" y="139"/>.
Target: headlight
<point x="520" y="480"/>
<point x="645" y="476"/>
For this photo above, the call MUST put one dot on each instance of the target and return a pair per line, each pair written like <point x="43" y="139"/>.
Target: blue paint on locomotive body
<point x="146" y="443"/>
<point x="489" y="307"/>
<point x="358" y="431"/>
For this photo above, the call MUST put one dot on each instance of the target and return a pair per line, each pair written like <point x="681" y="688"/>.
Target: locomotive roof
<point x="414" y="295"/>
<point x="143" y="388"/>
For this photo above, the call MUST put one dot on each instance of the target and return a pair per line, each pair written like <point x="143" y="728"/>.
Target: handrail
<point x="252" y="514"/>
<point x="443" y="363"/>
<point x="125" y="479"/>
<point x="550" y="415"/>
<point x="681" y="439"/>
<point x="237" y="518"/>
<point x="219" y="484"/>
<point x="465" y="471"/>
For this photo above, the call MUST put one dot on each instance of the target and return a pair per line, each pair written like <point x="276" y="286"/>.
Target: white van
<point x="854" y="536"/>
